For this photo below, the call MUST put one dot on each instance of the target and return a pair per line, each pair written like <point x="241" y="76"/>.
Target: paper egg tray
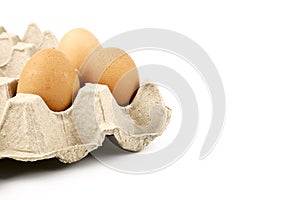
<point x="30" y="131"/>
<point x="15" y="52"/>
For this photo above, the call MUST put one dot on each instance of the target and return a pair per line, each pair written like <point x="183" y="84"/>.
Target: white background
<point x="255" y="46"/>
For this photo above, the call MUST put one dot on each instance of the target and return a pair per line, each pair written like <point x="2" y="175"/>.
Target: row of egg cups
<point x="15" y="52"/>
<point x="30" y="131"/>
<point x="133" y="126"/>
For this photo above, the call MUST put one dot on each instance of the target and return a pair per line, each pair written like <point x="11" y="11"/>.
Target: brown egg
<point x="114" y="68"/>
<point x="77" y="44"/>
<point x="50" y="75"/>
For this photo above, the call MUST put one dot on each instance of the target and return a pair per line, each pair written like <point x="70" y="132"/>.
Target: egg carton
<point x="15" y="52"/>
<point x="30" y="131"/>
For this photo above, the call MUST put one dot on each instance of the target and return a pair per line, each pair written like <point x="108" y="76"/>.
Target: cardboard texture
<point x="30" y="131"/>
<point x="14" y="52"/>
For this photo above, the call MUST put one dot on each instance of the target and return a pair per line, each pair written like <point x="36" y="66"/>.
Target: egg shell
<point x="50" y="75"/>
<point x="77" y="44"/>
<point x="30" y="131"/>
<point x="114" y="68"/>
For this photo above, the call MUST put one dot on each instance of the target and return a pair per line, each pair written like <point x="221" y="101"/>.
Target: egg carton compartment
<point x="30" y="131"/>
<point x="15" y="52"/>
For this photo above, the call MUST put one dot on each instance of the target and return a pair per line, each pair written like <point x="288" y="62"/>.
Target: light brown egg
<point x="114" y="68"/>
<point x="50" y="75"/>
<point x="77" y="44"/>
